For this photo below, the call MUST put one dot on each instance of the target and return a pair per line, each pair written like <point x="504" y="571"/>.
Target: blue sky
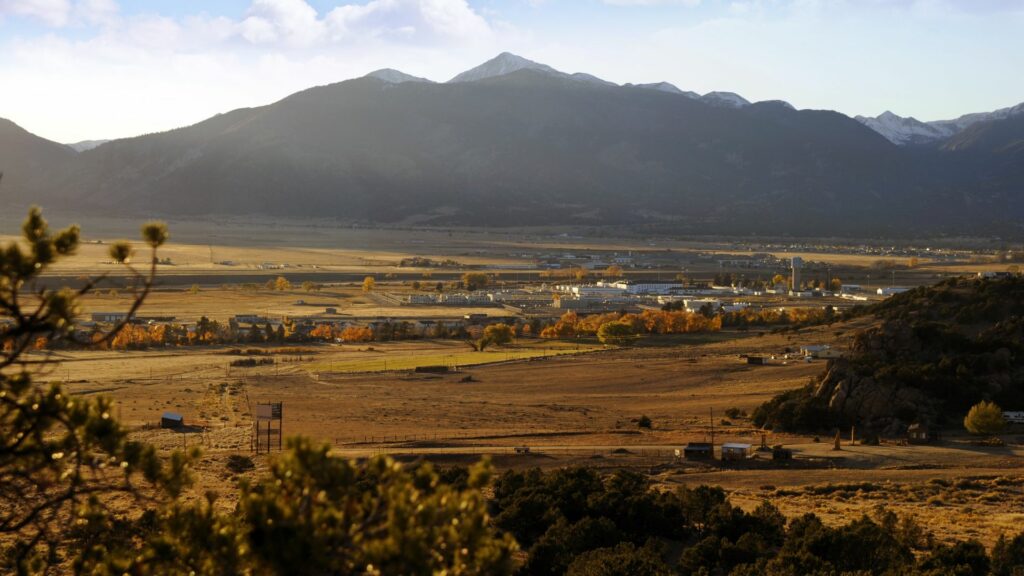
<point x="82" y="69"/>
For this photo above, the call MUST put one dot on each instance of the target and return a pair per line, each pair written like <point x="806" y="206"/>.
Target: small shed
<point x="172" y="420"/>
<point x="331" y="310"/>
<point x="921" y="434"/>
<point x="780" y="453"/>
<point x="757" y="360"/>
<point x="699" y="451"/>
<point x="735" y="451"/>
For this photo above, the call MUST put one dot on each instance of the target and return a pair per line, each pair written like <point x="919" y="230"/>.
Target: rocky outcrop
<point x="859" y="399"/>
<point x="935" y="352"/>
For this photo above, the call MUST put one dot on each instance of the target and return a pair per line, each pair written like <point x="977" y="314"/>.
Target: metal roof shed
<point x="172" y="420"/>
<point x="698" y="450"/>
<point x="735" y="451"/>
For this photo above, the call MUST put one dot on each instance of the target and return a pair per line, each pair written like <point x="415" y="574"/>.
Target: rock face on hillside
<point x="936" y="352"/>
<point x="853" y="396"/>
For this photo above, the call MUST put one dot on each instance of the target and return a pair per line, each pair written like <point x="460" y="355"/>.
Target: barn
<point x="921" y="434"/>
<point x="699" y="451"/>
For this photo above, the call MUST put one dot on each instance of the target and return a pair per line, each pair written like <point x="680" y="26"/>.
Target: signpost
<point x="266" y="433"/>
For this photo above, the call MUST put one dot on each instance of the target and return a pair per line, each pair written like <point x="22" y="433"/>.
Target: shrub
<point x="985" y="418"/>
<point x="251" y="362"/>
<point x="1008" y="556"/>
<point x="238" y="463"/>
<point x="644" y="422"/>
<point x="962" y="559"/>
<point x="624" y="559"/>
<point x="735" y="413"/>
<point x="616" y="332"/>
<point x="556" y="549"/>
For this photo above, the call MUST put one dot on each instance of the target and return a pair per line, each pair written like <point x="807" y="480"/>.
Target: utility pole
<point x="711" y="415"/>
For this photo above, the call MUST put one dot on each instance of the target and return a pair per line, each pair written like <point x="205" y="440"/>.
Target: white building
<point x="109" y="317"/>
<point x="422" y="299"/>
<point x="1014" y="417"/>
<point x="633" y="287"/>
<point x="695" y="305"/>
<point x="595" y="291"/>
<point x="819" y="351"/>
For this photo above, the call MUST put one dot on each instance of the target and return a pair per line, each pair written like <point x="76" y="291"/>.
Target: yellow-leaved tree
<point x="985" y="418"/>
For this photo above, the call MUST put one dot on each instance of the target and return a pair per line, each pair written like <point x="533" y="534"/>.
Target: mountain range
<point x="514" y="142"/>
<point x="911" y="131"/>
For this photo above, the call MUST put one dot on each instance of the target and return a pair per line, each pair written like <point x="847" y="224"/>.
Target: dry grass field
<point x="578" y="407"/>
<point x="571" y="403"/>
<point x="202" y="247"/>
<point x="222" y="303"/>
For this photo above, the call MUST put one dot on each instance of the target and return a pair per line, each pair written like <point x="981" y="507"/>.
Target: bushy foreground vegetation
<point x="937" y="352"/>
<point x="72" y="484"/>
<point x="313" y="514"/>
<point x="574" y="521"/>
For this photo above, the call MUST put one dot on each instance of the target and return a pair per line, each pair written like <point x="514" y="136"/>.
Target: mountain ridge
<point x="537" y="146"/>
<point x="908" y="130"/>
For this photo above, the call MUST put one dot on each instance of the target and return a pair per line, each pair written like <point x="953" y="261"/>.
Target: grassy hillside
<point x="935" y="352"/>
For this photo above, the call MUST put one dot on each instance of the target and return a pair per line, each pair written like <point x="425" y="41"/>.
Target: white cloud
<point x="97" y="12"/>
<point x="293" y="22"/>
<point x="50" y="12"/>
<point x="690" y="3"/>
<point x="59" y="13"/>
<point x="144" y="73"/>
<point x="408" y="19"/>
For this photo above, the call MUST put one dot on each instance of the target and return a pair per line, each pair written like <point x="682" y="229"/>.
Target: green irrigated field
<point x="443" y="353"/>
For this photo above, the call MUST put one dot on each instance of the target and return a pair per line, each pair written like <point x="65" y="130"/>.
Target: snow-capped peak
<point x="392" y="76"/>
<point x="730" y="99"/>
<point x="86" y="145"/>
<point x="781" y="103"/>
<point x="963" y="122"/>
<point x="902" y="131"/>
<point x="670" y="88"/>
<point x="504" y="63"/>
<point x="591" y="79"/>
<point x="507" y="63"/>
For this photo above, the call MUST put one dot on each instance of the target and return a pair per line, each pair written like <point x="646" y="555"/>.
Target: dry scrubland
<point x="570" y="406"/>
<point x="576" y="408"/>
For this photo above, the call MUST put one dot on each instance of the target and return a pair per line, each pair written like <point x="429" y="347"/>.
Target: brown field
<point x="569" y="409"/>
<point x="200" y="246"/>
<point x="571" y="403"/>
<point x="221" y="304"/>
